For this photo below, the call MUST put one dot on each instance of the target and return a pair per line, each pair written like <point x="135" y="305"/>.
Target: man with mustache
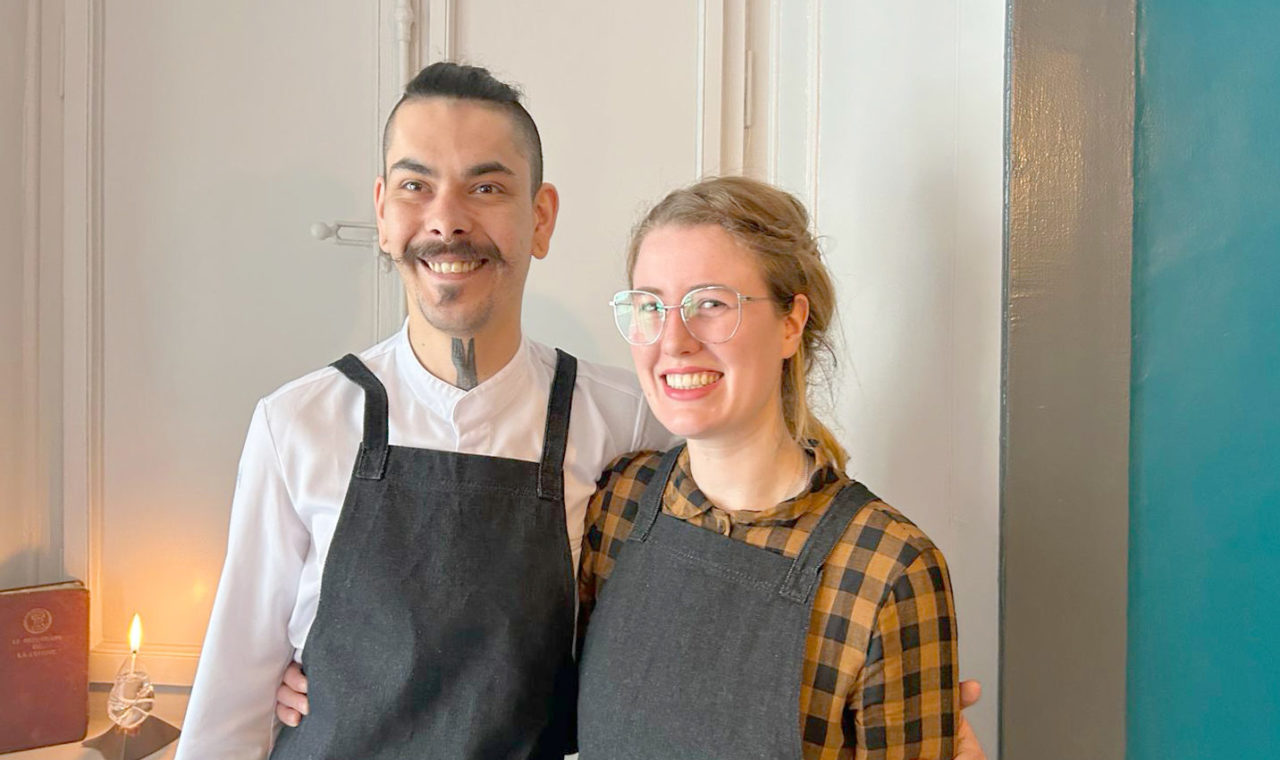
<point x="406" y="523"/>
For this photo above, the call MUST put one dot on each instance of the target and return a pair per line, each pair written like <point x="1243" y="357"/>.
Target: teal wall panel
<point x="1204" y="576"/>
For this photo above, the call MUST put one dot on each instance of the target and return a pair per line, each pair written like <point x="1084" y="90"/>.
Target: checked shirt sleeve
<point x="611" y="511"/>
<point x="905" y="702"/>
<point x="593" y="546"/>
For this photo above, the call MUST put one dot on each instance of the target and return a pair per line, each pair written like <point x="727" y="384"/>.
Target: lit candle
<point x="132" y="695"/>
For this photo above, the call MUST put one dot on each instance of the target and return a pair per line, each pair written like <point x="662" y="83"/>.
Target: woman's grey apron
<point x="445" y="622"/>
<point x="696" y="647"/>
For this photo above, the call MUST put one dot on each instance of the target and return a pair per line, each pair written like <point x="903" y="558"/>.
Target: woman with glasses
<point x="741" y="597"/>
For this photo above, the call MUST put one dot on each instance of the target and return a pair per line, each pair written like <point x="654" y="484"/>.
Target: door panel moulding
<point x="32" y="495"/>
<point x="83" y="357"/>
<point x="813" y="151"/>
<point x="808" y="191"/>
<point x="734" y="90"/>
<point x="723" y="87"/>
<point x="710" y="83"/>
<point x="441" y="35"/>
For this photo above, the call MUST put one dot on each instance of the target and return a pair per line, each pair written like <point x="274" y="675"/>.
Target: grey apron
<point x="445" y="622"/>
<point x="696" y="646"/>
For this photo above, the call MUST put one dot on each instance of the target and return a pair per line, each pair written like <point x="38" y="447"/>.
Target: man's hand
<point x="291" y="697"/>
<point x="967" y="746"/>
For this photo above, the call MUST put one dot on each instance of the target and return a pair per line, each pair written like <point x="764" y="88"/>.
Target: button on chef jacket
<point x="293" y="477"/>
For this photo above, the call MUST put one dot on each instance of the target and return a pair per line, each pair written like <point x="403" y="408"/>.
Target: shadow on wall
<point x="20" y="568"/>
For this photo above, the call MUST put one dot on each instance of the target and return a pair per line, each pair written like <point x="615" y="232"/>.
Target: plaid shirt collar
<point x="684" y="500"/>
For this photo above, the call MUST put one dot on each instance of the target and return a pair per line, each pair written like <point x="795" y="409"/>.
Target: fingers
<point x="288" y="715"/>
<point x="291" y="697"/>
<point x="970" y="693"/>
<point x="967" y="746"/>
<point x="287" y="697"/>
<point x="294" y="679"/>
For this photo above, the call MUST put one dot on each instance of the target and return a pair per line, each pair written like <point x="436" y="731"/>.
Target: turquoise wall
<point x="1204" y="576"/>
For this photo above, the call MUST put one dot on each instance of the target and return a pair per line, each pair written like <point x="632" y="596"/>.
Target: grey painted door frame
<point x="1065" y="428"/>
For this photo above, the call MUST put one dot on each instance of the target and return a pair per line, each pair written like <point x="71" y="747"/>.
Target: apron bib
<point x="444" y="627"/>
<point x="696" y="647"/>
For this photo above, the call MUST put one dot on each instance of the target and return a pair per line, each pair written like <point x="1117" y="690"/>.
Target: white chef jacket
<point x="294" y="471"/>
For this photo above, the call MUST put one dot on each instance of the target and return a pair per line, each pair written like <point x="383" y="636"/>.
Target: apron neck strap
<point x="556" y="437"/>
<point x="371" y="463"/>
<point x="802" y="578"/>
<point x="651" y="499"/>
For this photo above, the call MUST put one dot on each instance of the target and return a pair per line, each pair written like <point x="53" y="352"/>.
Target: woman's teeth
<point x="453" y="267"/>
<point x="691" y="380"/>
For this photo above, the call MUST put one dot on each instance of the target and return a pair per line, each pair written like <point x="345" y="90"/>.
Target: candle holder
<point x="136" y="733"/>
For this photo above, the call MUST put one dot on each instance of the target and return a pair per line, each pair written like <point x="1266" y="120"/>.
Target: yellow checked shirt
<point x="880" y="655"/>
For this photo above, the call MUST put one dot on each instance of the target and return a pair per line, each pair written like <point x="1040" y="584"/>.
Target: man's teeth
<point x="453" y="267"/>
<point x="689" y="380"/>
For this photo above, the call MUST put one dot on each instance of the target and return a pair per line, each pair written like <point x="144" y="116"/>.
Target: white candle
<point x="135" y="640"/>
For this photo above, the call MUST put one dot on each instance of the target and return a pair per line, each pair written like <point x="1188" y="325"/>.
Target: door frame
<point x="1065" y="428"/>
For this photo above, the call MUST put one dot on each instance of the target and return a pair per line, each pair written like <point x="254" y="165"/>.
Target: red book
<point x="44" y="665"/>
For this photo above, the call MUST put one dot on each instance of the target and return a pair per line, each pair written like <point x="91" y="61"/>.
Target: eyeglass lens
<point x="710" y="314"/>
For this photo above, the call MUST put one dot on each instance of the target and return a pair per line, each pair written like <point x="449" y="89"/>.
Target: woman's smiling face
<point x="711" y="391"/>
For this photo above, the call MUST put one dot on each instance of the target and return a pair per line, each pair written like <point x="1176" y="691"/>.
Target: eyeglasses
<point x="711" y="314"/>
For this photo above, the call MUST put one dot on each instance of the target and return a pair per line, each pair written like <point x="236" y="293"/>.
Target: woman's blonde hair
<point x="774" y="225"/>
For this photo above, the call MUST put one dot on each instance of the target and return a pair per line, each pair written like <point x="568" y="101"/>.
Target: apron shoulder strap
<point x="651" y="499"/>
<point x="802" y="578"/>
<point x="371" y="462"/>
<point x="555" y="439"/>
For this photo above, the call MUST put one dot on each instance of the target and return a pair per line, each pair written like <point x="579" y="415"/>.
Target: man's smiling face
<point x="456" y="214"/>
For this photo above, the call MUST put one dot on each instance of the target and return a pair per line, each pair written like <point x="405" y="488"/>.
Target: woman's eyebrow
<point x="690" y="289"/>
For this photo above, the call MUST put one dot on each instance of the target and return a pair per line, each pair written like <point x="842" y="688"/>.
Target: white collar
<point x="495" y="394"/>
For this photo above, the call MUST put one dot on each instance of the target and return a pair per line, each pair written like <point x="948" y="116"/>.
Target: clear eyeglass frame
<point x="700" y="310"/>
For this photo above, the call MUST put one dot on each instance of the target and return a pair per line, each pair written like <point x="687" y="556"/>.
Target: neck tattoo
<point x="464" y="360"/>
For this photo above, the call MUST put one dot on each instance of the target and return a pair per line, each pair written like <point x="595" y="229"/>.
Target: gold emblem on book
<point x="37" y="621"/>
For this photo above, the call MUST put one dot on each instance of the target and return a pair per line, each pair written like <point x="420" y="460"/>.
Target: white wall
<point x="891" y="126"/>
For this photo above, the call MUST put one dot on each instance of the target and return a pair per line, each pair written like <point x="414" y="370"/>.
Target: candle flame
<point x="135" y="633"/>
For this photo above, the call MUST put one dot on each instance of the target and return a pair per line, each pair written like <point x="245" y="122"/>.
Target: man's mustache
<point x="458" y="250"/>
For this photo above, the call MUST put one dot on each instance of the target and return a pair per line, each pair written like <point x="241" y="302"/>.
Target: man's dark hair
<point x="454" y="80"/>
